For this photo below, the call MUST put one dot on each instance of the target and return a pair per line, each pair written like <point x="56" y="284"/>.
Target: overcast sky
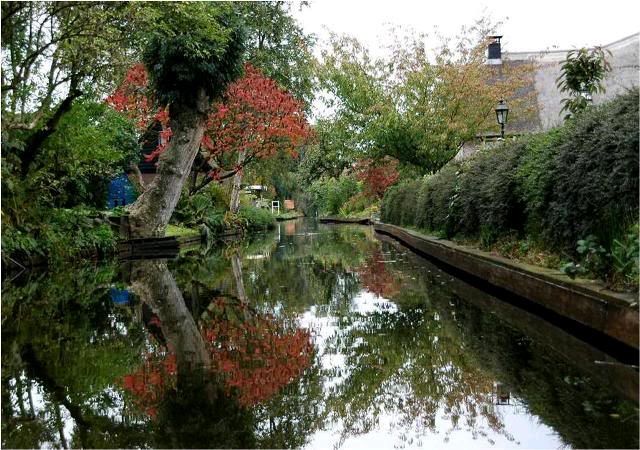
<point x="528" y="25"/>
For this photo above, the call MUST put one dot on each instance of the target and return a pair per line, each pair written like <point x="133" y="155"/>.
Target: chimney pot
<point x="494" y="50"/>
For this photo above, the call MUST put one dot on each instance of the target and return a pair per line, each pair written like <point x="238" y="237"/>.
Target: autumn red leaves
<point x="255" y="116"/>
<point x="255" y="355"/>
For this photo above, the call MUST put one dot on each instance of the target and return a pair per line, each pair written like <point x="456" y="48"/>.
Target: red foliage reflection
<point x="375" y="277"/>
<point x="257" y="354"/>
<point x="149" y="383"/>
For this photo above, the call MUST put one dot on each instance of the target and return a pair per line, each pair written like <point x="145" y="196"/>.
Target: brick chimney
<point x="494" y="53"/>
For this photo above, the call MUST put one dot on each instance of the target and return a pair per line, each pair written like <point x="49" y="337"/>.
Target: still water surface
<point x="315" y="336"/>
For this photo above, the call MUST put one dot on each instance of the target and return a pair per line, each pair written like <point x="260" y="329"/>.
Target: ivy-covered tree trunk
<point x="151" y="212"/>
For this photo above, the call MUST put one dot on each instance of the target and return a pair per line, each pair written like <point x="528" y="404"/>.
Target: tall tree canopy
<point x="414" y="105"/>
<point x="277" y="45"/>
<point x="52" y="54"/>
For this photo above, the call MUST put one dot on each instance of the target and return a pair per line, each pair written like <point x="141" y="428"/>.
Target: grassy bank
<point x="567" y="197"/>
<point x="288" y="215"/>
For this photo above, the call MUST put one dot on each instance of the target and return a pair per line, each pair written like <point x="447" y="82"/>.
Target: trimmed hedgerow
<point x="594" y="176"/>
<point x="555" y="188"/>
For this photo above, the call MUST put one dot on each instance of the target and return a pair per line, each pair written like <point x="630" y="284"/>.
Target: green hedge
<point x="556" y="188"/>
<point x="327" y="195"/>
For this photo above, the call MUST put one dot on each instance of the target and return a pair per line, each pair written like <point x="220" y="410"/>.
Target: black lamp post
<point x="502" y="111"/>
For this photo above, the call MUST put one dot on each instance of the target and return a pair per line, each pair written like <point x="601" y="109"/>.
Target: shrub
<point x="204" y="209"/>
<point x="328" y="195"/>
<point x="394" y="200"/>
<point x="618" y="264"/>
<point x="625" y="254"/>
<point x="493" y="193"/>
<point x="406" y="204"/>
<point x="442" y="200"/>
<point x="256" y="218"/>
<point x="63" y="235"/>
<point x="533" y="176"/>
<point x="356" y="204"/>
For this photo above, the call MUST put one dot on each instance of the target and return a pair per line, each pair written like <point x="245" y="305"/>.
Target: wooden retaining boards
<point x="161" y="247"/>
<point x="166" y="247"/>
<point x="336" y="219"/>
<point x="582" y="301"/>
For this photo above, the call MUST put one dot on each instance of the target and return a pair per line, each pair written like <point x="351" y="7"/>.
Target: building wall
<point x="625" y="64"/>
<point x="624" y="74"/>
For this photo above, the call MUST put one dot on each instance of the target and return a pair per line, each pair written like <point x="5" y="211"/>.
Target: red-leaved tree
<point x="377" y="176"/>
<point x="256" y="119"/>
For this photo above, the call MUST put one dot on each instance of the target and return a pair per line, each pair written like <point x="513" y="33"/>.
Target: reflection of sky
<point x="526" y="429"/>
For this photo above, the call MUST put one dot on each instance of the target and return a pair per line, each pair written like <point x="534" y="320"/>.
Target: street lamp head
<point x="502" y="111"/>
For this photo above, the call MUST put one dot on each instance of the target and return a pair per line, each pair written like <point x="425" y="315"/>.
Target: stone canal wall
<point x="582" y="301"/>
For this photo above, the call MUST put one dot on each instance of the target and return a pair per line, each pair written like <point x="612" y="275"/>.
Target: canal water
<point x="313" y="336"/>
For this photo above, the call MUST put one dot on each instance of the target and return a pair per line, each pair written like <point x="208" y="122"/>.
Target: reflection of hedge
<point x="584" y="412"/>
<point x="557" y="187"/>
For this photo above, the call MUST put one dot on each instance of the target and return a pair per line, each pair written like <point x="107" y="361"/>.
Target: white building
<point x="625" y="67"/>
<point x="625" y="74"/>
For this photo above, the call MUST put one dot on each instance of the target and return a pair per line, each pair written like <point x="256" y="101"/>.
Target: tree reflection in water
<point x="242" y="357"/>
<point x="211" y="354"/>
<point x="403" y="363"/>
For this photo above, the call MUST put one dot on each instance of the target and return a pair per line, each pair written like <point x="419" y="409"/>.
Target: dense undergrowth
<point x="64" y="235"/>
<point x="207" y="211"/>
<point x="344" y="196"/>
<point x="52" y="213"/>
<point x="570" y="194"/>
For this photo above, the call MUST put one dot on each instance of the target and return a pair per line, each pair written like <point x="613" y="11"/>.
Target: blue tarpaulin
<point x="121" y="192"/>
<point x="119" y="296"/>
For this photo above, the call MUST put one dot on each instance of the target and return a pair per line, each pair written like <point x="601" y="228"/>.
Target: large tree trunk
<point x="235" y="187"/>
<point x="151" y="212"/>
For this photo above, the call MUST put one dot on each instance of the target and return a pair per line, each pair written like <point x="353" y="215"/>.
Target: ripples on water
<point x="312" y="336"/>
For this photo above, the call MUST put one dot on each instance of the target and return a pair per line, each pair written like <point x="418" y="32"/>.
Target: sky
<point x="528" y="26"/>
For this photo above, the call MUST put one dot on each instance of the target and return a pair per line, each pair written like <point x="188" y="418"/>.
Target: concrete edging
<point x="582" y="301"/>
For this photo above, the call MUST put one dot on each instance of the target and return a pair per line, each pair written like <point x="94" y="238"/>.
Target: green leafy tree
<point x="413" y="106"/>
<point x="53" y="54"/>
<point x="582" y="75"/>
<point x="91" y="144"/>
<point x="278" y="46"/>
